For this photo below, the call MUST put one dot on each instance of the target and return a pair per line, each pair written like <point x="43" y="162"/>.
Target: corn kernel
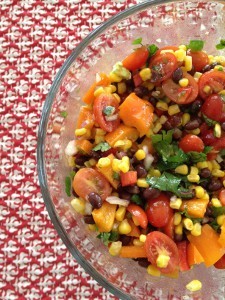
<point x="120" y="213"/>
<point x="124" y="167"/>
<point x="193" y="178"/>
<point x="167" y="51"/>
<point x="157" y="127"/>
<point x="145" y="74"/>
<point x="78" y="205"/>
<point x="104" y="162"/>
<point x="115" y="248"/>
<point x="124" y="144"/>
<point x="177" y="219"/>
<point x="183" y="47"/>
<point x="211" y="59"/>
<point x="114" y="78"/>
<point x="194" y="285"/>
<point x="92" y="227"/>
<point x="99" y="91"/>
<point x="218" y="173"/>
<point x="218" y="68"/>
<point x="117" y="97"/>
<point x="113" y="88"/>
<point x="175" y="202"/>
<point x="215" y="164"/>
<point x="220" y="220"/>
<point x="163" y="119"/>
<point x="179" y="229"/>
<point x="100" y="131"/>
<point x="199" y="192"/>
<point x="222" y="92"/>
<point x="216" y="202"/>
<point x="142" y="183"/>
<point x="142" y="238"/>
<point x="224" y="183"/>
<point x="124" y="227"/>
<point x="80" y="131"/>
<point x="207" y="89"/>
<point x="185" y="118"/>
<point x="197" y="229"/>
<point x="137" y="242"/>
<point x="197" y="75"/>
<point x="209" y="163"/>
<point x="196" y="131"/>
<point x="194" y="170"/>
<point x="162" y="260"/>
<point x="183" y="82"/>
<point x="155" y="173"/>
<point x="71" y="161"/>
<point x="149" y="85"/>
<point x="188" y="63"/>
<point x="99" y="139"/>
<point x="182" y="169"/>
<point x="173" y="109"/>
<point x="202" y="165"/>
<point x="188" y="224"/>
<point x="162" y="105"/>
<point x="206" y="196"/>
<point x="152" y="270"/>
<point x="140" y="154"/>
<point x="121" y="87"/>
<point x="155" y="118"/>
<point x="217" y="130"/>
<point x="115" y="165"/>
<point x="180" y="54"/>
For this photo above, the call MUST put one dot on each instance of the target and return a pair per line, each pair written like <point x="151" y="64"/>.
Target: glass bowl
<point x="159" y="22"/>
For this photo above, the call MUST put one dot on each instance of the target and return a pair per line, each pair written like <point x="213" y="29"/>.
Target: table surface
<point x="35" y="39"/>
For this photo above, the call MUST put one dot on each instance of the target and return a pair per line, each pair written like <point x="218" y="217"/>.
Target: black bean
<point x="208" y="212"/>
<point x="141" y="172"/>
<point x="209" y="67"/>
<point x="205" y="173"/>
<point x="125" y="195"/>
<point x="192" y="124"/>
<point x="80" y="160"/>
<point x="215" y="185"/>
<point x="223" y="125"/>
<point x="177" y="134"/>
<point x="133" y="189"/>
<point x="125" y="240"/>
<point x="96" y="154"/>
<point x="95" y="200"/>
<point x="178" y="237"/>
<point x="151" y="193"/>
<point x="167" y="125"/>
<point x="143" y="262"/>
<point x="222" y="165"/>
<point x="120" y="154"/>
<point x="175" y="120"/>
<point x="153" y="100"/>
<point x="177" y="75"/>
<point x="195" y="106"/>
<point x="88" y="219"/>
<point x="141" y="91"/>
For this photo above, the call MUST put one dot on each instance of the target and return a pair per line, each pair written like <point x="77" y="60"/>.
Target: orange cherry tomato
<point x="162" y="66"/>
<point x="88" y="180"/>
<point x="159" y="243"/>
<point x="136" y="59"/>
<point x="139" y="215"/>
<point x="100" y="104"/>
<point x="178" y="94"/>
<point x="191" y="142"/>
<point x="199" y="59"/>
<point x="214" y="79"/>
<point x="222" y="197"/>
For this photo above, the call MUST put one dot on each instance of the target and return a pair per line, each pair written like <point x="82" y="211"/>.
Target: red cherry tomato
<point x="220" y="264"/>
<point x="222" y="197"/>
<point x="158" y="211"/>
<point x="169" y="228"/>
<point x="100" y="104"/>
<point x="128" y="178"/>
<point x="191" y="142"/>
<point x="219" y="144"/>
<point x="136" y="59"/>
<point x="159" y="243"/>
<point x="183" y="259"/>
<point x="214" y="79"/>
<point x="88" y="180"/>
<point x="178" y="94"/>
<point x="162" y="66"/>
<point x="208" y="137"/>
<point x="199" y="59"/>
<point x="213" y="107"/>
<point x="139" y="215"/>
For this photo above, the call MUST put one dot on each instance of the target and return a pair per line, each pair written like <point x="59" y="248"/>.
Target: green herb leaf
<point x="137" y="41"/>
<point x="72" y="174"/>
<point x="64" y="114"/>
<point x="197" y="156"/>
<point x="136" y="199"/>
<point x="196" y="45"/>
<point x="194" y="220"/>
<point x="116" y="176"/>
<point x="166" y="136"/>
<point x="103" y="146"/>
<point x="215" y="225"/>
<point x="68" y="186"/>
<point x="217" y="211"/>
<point x="108" y="237"/>
<point x="221" y="45"/>
<point x="209" y="121"/>
<point x="152" y="49"/>
<point x="109" y="110"/>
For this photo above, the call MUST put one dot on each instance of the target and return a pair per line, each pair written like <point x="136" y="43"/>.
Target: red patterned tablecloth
<point x="35" y="39"/>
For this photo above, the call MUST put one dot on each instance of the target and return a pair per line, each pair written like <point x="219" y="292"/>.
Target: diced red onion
<point x="117" y="200"/>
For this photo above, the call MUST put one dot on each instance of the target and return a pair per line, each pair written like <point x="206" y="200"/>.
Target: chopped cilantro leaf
<point x="108" y="237"/>
<point x="196" y="45"/>
<point x="152" y="49"/>
<point x="137" y="41"/>
<point x="72" y="174"/>
<point x="64" y="114"/>
<point x="68" y="185"/>
<point x="116" y="176"/>
<point x="136" y="199"/>
<point x="197" y="156"/>
<point x="186" y="214"/>
<point x="221" y="45"/>
<point x="209" y="121"/>
<point x="217" y="211"/>
<point x="215" y="225"/>
<point x="166" y="136"/>
<point x="103" y="146"/>
<point x="109" y="110"/>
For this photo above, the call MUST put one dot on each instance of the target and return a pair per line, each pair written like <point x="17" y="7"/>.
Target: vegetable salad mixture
<point x="148" y="158"/>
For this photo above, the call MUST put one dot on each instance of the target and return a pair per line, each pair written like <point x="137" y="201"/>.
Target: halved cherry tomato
<point x="199" y="59"/>
<point x="222" y="197"/>
<point x="191" y="142"/>
<point x="136" y="59"/>
<point x="183" y="258"/>
<point x="219" y="143"/>
<point x="213" y="107"/>
<point x="178" y="94"/>
<point x="158" y="243"/>
<point x="158" y="210"/>
<point x="88" y="180"/>
<point x="214" y="79"/>
<point x="139" y="214"/>
<point x="100" y="103"/>
<point x="169" y="228"/>
<point x="220" y="264"/>
<point x="128" y="178"/>
<point x="162" y="66"/>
